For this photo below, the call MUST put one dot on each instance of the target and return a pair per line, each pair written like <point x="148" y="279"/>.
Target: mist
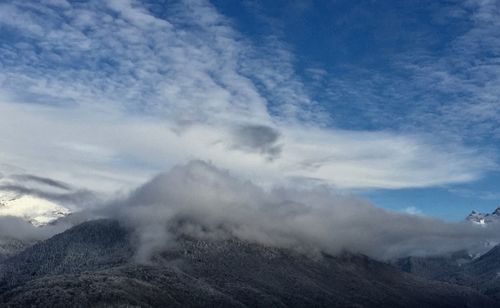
<point x="201" y="200"/>
<point x="18" y="229"/>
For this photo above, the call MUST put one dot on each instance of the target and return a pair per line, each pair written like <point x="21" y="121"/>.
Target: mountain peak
<point x="477" y="218"/>
<point x="496" y="212"/>
<point x="484" y="218"/>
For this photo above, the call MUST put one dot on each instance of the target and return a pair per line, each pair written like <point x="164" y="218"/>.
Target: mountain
<point x="93" y="264"/>
<point x="26" y="209"/>
<point x="86" y="247"/>
<point x="484" y="218"/>
<point x="442" y="268"/>
<point x="482" y="273"/>
<point x="36" y="210"/>
<point x="10" y="247"/>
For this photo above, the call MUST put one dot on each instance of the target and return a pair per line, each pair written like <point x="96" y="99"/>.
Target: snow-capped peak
<point x="496" y="212"/>
<point x="484" y="218"/>
<point x="36" y="210"/>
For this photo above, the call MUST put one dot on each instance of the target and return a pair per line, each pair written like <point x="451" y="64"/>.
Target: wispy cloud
<point x="104" y="94"/>
<point x="448" y="89"/>
<point x="48" y="189"/>
<point x="476" y="193"/>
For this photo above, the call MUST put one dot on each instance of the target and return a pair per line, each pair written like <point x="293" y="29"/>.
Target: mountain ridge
<point x="484" y="218"/>
<point x="93" y="264"/>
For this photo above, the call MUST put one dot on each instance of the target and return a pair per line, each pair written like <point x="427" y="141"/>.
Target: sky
<point x="396" y="102"/>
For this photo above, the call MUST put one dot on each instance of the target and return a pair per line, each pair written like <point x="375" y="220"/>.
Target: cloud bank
<point x="201" y="200"/>
<point x="15" y="228"/>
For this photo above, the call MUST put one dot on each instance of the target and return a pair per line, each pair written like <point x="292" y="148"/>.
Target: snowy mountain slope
<point x="36" y="210"/>
<point x="36" y="199"/>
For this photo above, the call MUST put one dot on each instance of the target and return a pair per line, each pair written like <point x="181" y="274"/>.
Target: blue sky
<point x="397" y="102"/>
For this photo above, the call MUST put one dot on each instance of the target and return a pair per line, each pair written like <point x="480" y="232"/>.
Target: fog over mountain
<point x="31" y="208"/>
<point x="196" y="234"/>
<point x="202" y="200"/>
<point x="17" y="228"/>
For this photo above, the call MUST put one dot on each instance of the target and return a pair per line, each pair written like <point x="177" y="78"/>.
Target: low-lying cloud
<point x="198" y="199"/>
<point x="19" y="229"/>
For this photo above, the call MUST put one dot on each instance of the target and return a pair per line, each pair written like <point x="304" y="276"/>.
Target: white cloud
<point x="111" y="98"/>
<point x="201" y="200"/>
<point x="412" y="210"/>
<point x="466" y="74"/>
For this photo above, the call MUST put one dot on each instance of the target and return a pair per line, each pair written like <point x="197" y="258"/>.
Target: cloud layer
<point x="15" y="228"/>
<point x="201" y="200"/>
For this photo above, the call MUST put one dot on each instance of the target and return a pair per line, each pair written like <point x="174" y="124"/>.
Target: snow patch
<point x="36" y="210"/>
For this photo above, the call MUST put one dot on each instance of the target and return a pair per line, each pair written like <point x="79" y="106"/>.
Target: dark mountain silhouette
<point x="482" y="273"/>
<point x="10" y="247"/>
<point x="92" y="265"/>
